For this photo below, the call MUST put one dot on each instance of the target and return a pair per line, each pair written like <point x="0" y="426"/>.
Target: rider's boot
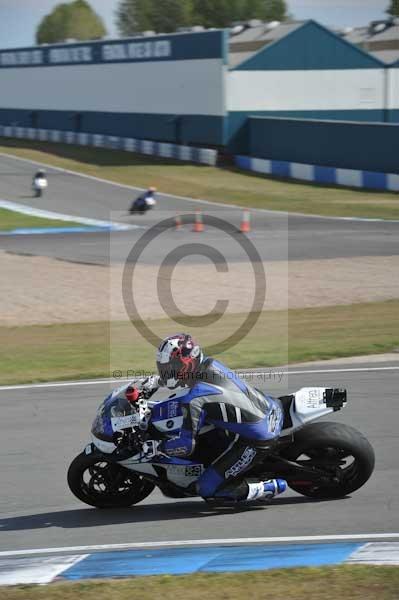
<point x="266" y="490"/>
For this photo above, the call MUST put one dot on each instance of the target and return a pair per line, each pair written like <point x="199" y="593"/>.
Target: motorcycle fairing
<point x="167" y="416"/>
<point x="178" y="471"/>
<point x="312" y="403"/>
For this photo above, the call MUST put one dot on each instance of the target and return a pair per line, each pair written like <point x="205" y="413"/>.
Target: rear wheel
<point x="344" y="454"/>
<point x="97" y="482"/>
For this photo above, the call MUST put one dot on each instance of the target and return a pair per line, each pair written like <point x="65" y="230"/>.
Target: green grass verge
<point x="227" y="185"/>
<point x="82" y="350"/>
<point x="327" y="583"/>
<point x="10" y="220"/>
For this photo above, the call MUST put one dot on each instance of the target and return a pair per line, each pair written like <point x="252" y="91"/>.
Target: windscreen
<point x="114" y="414"/>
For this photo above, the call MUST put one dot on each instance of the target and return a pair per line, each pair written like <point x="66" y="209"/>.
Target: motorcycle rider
<point x="144" y="202"/>
<point x="39" y="182"/>
<point x="217" y="398"/>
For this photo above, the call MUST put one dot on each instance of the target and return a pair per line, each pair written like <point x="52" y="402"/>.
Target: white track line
<point x="186" y="198"/>
<point x="217" y="542"/>
<point x="242" y="374"/>
<point x="348" y="370"/>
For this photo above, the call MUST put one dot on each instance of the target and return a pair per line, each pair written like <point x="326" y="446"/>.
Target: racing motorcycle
<point x="142" y="205"/>
<point x="39" y="184"/>
<point x="319" y="460"/>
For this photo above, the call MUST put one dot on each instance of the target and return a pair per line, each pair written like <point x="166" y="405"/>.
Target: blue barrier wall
<point x="206" y="156"/>
<point x="184" y="129"/>
<point x="348" y="145"/>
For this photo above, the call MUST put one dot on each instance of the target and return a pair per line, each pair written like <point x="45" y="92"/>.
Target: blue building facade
<point x="166" y="88"/>
<point x="310" y="73"/>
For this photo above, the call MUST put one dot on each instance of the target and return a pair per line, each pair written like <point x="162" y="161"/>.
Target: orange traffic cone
<point x="245" y="225"/>
<point x="178" y="223"/>
<point x="198" y="224"/>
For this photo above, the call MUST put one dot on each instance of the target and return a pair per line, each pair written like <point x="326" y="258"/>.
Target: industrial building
<point x="205" y="88"/>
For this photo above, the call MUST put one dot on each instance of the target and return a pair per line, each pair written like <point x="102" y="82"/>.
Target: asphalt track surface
<point x="276" y="236"/>
<point x="42" y="429"/>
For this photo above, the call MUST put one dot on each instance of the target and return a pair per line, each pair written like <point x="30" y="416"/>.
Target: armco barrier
<point x="205" y="156"/>
<point x="319" y="174"/>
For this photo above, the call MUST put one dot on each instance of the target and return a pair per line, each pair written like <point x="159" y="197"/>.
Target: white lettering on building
<point x="17" y="58"/>
<point x="151" y="49"/>
<point x="76" y="54"/>
<point x="137" y="50"/>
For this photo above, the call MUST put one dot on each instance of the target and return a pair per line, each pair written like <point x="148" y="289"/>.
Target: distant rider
<point x="250" y="420"/>
<point x="39" y="182"/>
<point x="144" y="202"/>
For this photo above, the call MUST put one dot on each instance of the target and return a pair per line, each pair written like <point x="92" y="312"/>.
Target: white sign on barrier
<point x="207" y="157"/>
<point x="185" y="153"/>
<point x="113" y="142"/>
<point x="55" y="135"/>
<point x="147" y="147"/>
<point x="70" y="137"/>
<point x="83" y="139"/>
<point x="98" y="141"/>
<point x="130" y="144"/>
<point x="166" y="150"/>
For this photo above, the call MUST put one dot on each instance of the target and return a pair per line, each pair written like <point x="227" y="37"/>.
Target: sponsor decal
<point x="245" y="460"/>
<point x="120" y="423"/>
<point x="180" y="451"/>
<point x="172" y="409"/>
<point x="185" y="471"/>
<point x="170" y="424"/>
<point x="274" y="419"/>
<point x="315" y="398"/>
<point x="194" y="471"/>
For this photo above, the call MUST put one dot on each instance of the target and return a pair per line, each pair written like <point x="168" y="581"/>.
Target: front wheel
<point x="104" y="484"/>
<point x="342" y="452"/>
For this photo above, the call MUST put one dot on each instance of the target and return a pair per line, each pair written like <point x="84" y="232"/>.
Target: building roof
<point x="386" y="56"/>
<point x="306" y="46"/>
<point x="391" y="32"/>
<point x="254" y="36"/>
<point x="358" y="35"/>
<point x="268" y="32"/>
<point x="236" y="58"/>
<point x="377" y="36"/>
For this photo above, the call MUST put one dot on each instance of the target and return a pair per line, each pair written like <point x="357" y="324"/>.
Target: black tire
<point x="326" y="442"/>
<point x="103" y="484"/>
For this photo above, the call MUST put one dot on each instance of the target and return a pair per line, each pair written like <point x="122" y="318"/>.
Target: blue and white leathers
<point x="220" y="400"/>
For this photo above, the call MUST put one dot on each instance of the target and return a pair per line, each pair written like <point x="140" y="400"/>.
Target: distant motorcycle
<point x="143" y="203"/>
<point x="318" y="460"/>
<point x="39" y="184"/>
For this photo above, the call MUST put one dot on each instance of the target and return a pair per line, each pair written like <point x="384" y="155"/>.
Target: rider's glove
<point x="150" y="385"/>
<point x="150" y="448"/>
